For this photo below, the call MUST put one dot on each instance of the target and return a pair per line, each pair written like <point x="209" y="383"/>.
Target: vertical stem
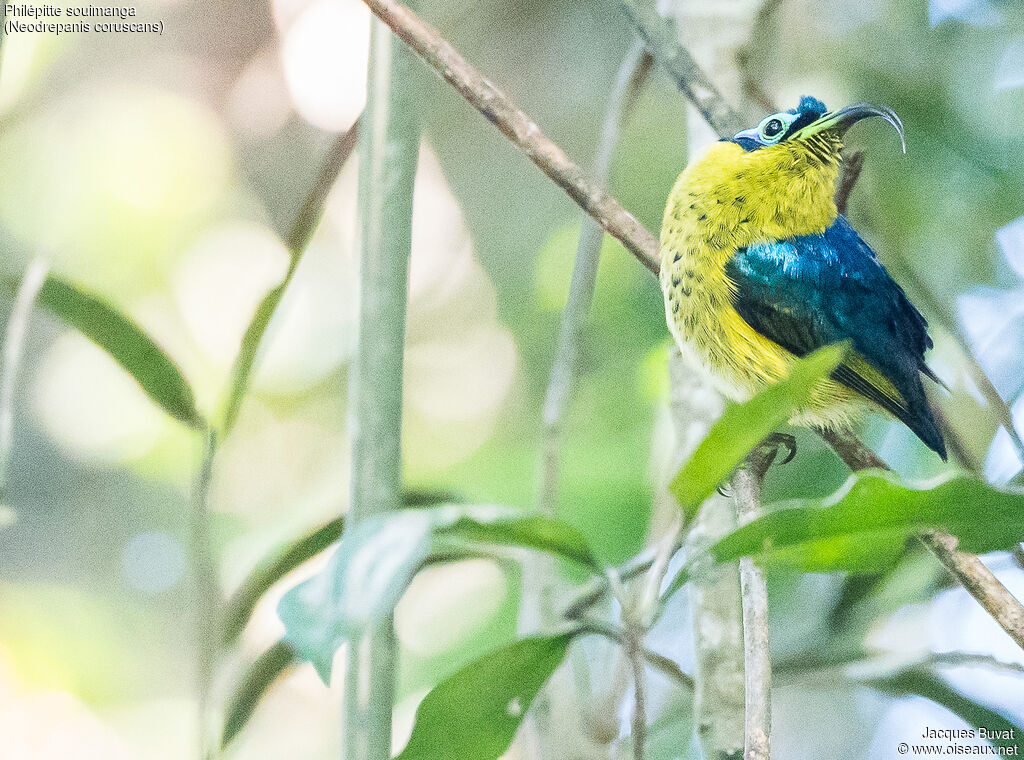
<point x="204" y="571"/>
<point x="581" y="287"/>
<point x="746" y="485"/>
<point x="13" y="348"/>
<point x="537" y="605"/>
<point x="714" y="595"/>
<point x="388" y="152"/>
<point x="634" y="642"/>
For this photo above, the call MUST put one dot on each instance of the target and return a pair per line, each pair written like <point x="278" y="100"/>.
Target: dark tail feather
<point x="922" y="423"/>
<point x="927" y="372"/>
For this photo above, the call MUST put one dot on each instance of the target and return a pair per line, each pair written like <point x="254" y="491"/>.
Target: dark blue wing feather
<point x="808" y="291"/>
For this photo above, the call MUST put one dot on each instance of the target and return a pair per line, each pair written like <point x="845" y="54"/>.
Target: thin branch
<point x="936" y="309"/>
<point x="13" y="349"/>
<point x="634" y="637"/>
<point x="618" y="222"/>
<point x="498" y="108"/>
<point x="658" y="661"/>
<point x="581" y="289"/>
<point x="746" y="487"/>
<point x="749" y="81"/>
<point x="853" y="165"/>
<point x="967" y="569"/>
<point x="979" y="582"/>
<point x="676" y="60"/>
<point x="595" y="590"/>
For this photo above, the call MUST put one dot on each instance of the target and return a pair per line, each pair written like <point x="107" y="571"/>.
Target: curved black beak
<point x="841" y="120"/>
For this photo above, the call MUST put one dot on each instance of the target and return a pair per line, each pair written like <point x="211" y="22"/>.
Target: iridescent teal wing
<point x="812" y="290"/>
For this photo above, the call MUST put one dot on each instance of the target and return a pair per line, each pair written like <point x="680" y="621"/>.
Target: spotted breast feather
<point x="808" y="291"/>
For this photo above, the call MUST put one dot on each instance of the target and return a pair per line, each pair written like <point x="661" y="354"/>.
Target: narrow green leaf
<point x="297" y="239"/>
<point x="378" y="558"/>
<point x="745" y="425"/>
<point x="864" y="526"/>
<point x="239" y="608"/>
<point x="273" y="568"/>
<point x="923" y="683"/>
<point x="363" y="582"/>
<point x="256" y="681"/>
<point x="512" y="528"/>
<point x="127" y="344"/>
<point x="474" y="714"/>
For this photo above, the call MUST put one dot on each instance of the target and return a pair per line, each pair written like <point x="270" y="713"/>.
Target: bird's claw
<point x="768" y="449"/>
<point x="766" y="452"/>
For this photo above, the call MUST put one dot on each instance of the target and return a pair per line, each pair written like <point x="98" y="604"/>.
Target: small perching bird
<point x="758" y="268"/>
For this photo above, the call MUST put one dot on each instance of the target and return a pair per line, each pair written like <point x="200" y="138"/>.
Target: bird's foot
<point x="764" y="454"/>
<point x="767" y="450"/>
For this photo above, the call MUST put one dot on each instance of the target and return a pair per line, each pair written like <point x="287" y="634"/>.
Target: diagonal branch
<point x="967" y="569"/>
<point x="677" y="62"/>
<point x="523" y="131"/>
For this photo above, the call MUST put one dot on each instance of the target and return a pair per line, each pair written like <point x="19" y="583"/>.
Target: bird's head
<point x="774" y="180"/>
<point x="811" y="126"/>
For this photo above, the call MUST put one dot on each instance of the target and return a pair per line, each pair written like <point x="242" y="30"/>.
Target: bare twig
<point x="746" y="486"/>
<point x="498" y="108"/>
<point x="979" y="582"/>
<point x="658" y="661"/>
<point x="634" y="637"/>
<point x="676" y="60"/>
<point x="848" y="176"/>
<point x="751" y="85"/>
<point x="717" y="609"/>
<point x="539" y="584"/>
<point x="581" y="289"/>
<point x="968" y="570"/>
<point x="594" y="591"/>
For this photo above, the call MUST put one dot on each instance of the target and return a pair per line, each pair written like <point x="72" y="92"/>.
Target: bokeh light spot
<point x="153" y="562"/>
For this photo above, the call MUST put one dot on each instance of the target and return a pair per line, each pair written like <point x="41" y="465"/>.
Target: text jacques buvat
<point x="67" y="19"/>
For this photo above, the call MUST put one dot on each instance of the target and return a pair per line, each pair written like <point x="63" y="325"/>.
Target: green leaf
<point x="256" y="681"/>
<point x="474" y="714"/>
<point x="745" y="425"/>
<point x="864" y="526"/>
<point x="242" y="603"/>
<point x="273" y="568"/>
<point x="129" y="346"/>
<point x="378" y="558"/>
<point x="921" y="682"/>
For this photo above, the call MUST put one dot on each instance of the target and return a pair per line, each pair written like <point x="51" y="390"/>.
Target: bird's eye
<point x="772" y="129"/>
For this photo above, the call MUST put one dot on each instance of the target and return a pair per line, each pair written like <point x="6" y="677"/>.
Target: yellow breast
<point x="724" y="200"/>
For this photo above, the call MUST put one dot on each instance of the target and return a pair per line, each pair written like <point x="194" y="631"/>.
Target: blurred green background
<point x="160" y="172"/>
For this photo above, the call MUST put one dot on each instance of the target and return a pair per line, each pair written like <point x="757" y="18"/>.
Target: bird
<point x="759" y="268"/>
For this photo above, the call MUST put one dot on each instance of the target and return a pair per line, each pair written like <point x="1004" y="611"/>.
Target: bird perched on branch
<point x="758" y="268"/>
